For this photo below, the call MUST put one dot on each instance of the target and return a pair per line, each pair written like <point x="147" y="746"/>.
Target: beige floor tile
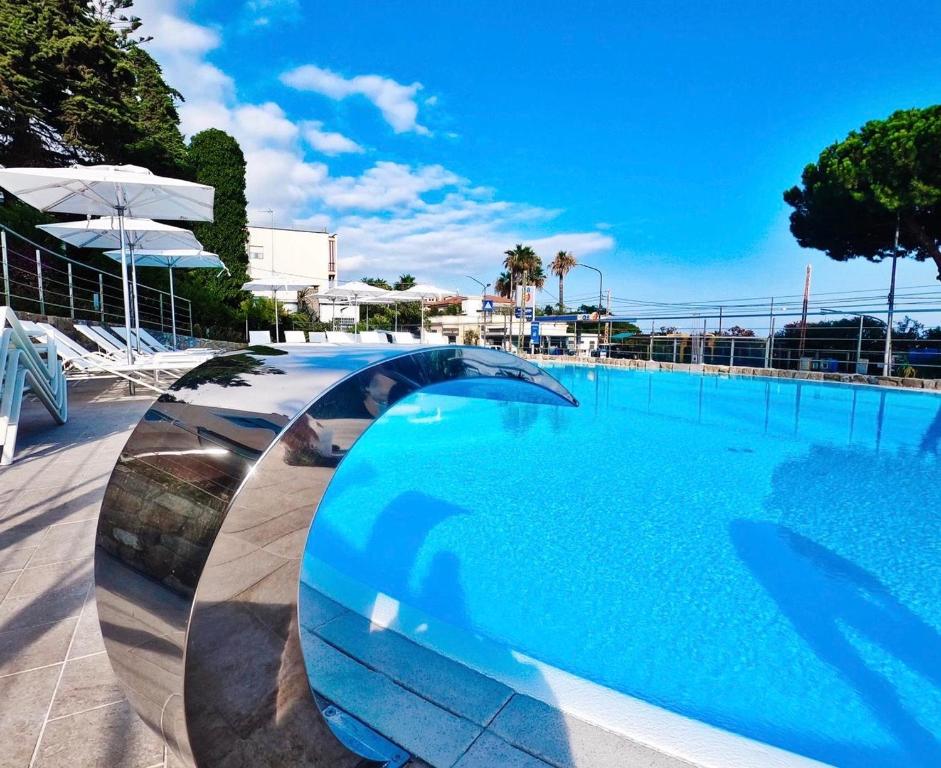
<point x="31" y="647"/>
<point x="86" y="683"/>
<point x="24" y="700"/>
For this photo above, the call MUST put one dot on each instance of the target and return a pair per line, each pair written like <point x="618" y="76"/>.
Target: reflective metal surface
<point x="204" y="523"/>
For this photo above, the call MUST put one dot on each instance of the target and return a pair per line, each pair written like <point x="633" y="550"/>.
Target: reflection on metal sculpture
<point x="204" y="523"/>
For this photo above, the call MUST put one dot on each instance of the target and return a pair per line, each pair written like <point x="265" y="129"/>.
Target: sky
<point x="652" y="139"/>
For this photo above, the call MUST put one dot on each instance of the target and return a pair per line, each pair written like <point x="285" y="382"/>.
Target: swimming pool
<point x="762" y="556"/>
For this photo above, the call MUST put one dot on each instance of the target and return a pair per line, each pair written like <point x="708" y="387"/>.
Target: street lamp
<point x="483" y="295"/>
<point x="600" y="292"/>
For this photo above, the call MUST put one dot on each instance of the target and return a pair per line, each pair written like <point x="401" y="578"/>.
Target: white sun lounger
<point x="403" y="337"/>
<point x="317" y="337"/>
<point x="259" y="337"/>
<point x="294" y="337"/>
<point x="340" y="337"/>
<point x="372" y="337"/>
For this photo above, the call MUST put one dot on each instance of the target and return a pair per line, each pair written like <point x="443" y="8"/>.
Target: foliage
<point x="881" y="180"/>
<point x="471" y="337"/>
<point x="563" y="263"/>
<point x="503" y="285"/>
<point x="217" y="160"/>
<point x="737" y="330"/>
<point x="520" y="259"/>
<point x="75" y="88"/>
<point x="377" y="282"/>
<point x="405" y="282"/>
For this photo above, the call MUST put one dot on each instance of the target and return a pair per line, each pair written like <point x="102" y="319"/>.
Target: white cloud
<point x="391" y="217"/>
<point x="395" y="101"/>
<point x="327" y="142"/>
<point x="261" y="13"/>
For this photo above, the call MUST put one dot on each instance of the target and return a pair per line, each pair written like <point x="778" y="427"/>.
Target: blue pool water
<point x="761" y="556"/>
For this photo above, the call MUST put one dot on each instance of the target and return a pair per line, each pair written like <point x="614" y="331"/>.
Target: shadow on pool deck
<point x="824" y="596"/>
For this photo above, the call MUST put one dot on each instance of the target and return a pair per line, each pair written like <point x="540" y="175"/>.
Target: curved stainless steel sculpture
<point x="205" y="520"/>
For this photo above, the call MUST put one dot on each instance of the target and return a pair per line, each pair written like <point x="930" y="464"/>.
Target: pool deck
<point x="60" y="704"/>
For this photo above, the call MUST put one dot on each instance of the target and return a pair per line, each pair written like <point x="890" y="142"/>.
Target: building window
<point x="256" y="252"/>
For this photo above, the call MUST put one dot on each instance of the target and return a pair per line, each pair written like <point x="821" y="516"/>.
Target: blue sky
<point x="653" y="139"/>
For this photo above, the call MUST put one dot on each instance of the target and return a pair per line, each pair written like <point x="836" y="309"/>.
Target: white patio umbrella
<point x="275" y="283"/>
<point x="174" y="258"/>
<point x="421" y="292"/>
<point x="139" y="234"/>
<point x="101" y="190"/>
<point x="358" y="292"/>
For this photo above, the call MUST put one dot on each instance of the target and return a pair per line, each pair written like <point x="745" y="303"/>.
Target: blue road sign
<point x="518" y="313"/>
<point x="534" y="333"/>
<point x="488" y="305"/>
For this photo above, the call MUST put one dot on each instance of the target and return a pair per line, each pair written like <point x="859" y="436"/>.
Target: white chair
<point x="403" y="337"/>
<point x="259" y="337"/>
<point x="26" y="366"/>
<point x="369" y="337"/>
<point x="340" y="337"/>
<point x="317" y="337"/>
<point x="294" y="337"/>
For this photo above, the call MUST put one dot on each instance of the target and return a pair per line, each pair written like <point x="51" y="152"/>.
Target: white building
<point x="296" y="253"/>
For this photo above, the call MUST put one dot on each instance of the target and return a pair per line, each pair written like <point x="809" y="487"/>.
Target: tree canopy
<point x="563" y="263"/>
<point x="520" y="259"/>
<point x="881" y="180"/>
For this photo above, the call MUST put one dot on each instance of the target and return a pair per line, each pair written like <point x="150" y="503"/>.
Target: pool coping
<point x="551" y="720"/>
<point x="781" y="375"/>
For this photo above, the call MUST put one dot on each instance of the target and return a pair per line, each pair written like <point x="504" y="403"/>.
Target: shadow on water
<point x="824" y="595"/>
<point x="389" y="563"/>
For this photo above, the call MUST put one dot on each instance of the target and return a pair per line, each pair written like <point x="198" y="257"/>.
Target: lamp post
<point x="483" y="294"/>
<point x="600" y="293"/>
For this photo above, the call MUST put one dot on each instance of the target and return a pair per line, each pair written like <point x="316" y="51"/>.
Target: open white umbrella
<point x="139" y="234"/>
<point x="173" y="258"/>
<point x="275" y="283"/>
<point x="422" y="292"/>
<point x="101" y="190"/>
<point x="358" y="292"/>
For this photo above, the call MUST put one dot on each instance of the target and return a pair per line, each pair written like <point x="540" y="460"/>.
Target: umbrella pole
<point x="127" y="298"/>
<point x="172" y="309"/>
<point x="367" y="317"/>
<point x="396" y="304"/>
<point x="136" y="302"/>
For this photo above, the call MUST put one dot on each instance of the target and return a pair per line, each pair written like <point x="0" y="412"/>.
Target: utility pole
<point x="608" y="310"/>
<point x="519" y="338"/>
<point x="887" y="361"/>
<point x="803" y="341"/>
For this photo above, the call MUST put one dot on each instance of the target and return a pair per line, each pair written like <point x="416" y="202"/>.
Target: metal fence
<point x="38" y="280"/>
<point x="830" y="342"/>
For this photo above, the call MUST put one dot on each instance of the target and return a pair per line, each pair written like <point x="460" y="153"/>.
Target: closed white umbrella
<point x="102" y="190"/>
<point x="275" y="283"/>
<point x="422" y="292"/>
<point x="173" y="258"/>
<point x="139" y="234"/>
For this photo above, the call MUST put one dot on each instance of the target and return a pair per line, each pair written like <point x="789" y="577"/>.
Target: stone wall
<point x="933" y="385"/>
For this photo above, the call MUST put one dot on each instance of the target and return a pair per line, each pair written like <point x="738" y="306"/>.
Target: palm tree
<point x="521" y="259"/>
<point x="561" y="265"/>
<point x="377" y="282"/>
<point x="405" y="282"/>
<point x="502" y="286"/>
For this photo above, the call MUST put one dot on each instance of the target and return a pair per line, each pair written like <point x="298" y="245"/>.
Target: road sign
<point x="518" y="313"/>
<point x="534" y="333"/>
<point x="488" y="305"/>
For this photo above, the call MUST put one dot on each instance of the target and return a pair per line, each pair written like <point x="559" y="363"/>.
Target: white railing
<point x="26" y="366"/>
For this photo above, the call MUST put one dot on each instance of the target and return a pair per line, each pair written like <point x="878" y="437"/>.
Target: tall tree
<point x="881" y="183"/>
<point x="522" y="258"/>
<point x="561" y="265"/>
<point x="405" y="282"/>
<point x="216" y="159"/>
<point x="377" y="282"/>
<point x="503" y="285"/>
<point x="63" y="82"/>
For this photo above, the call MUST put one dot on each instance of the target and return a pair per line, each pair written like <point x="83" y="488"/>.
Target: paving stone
<point x="30" y="647"/>
<point x="566" y="741"/>
<point x="14" y="559"/>
<point x="24" y="700"/>
<point x="6" y="581"/>
<point x="453" y="686"/>
<point x="417" y="725"/>
<point x="87" y="638"/>
<point x="66" y="541"/>
<point x="86" y="683"/>
<point x="490" y="751"/>
<point x="111" y="736"/>
<point x="72" y="573"/>
<point x="43" y="608"/>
